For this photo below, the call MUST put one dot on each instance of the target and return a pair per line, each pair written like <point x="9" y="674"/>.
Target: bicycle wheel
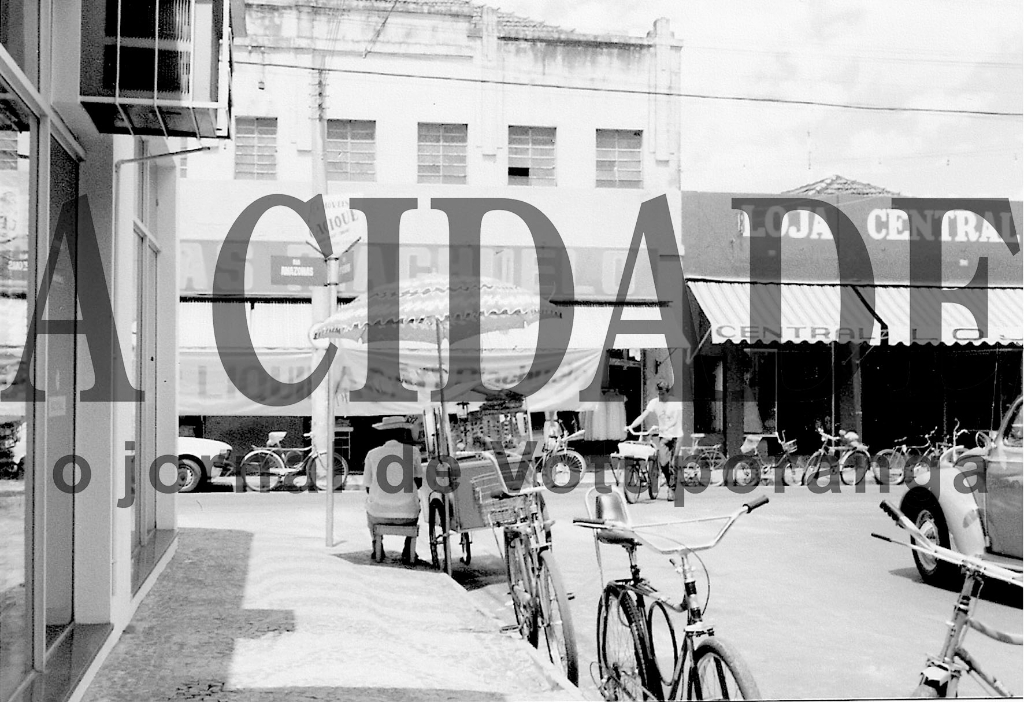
<point x="625" y="670"/>
<point x="653" y="478"/>
<point x="632" y="484"/>
<point x="519" y="585"/>
<point x="853" y="466"/>
<point x="261" y="470"/>
<point x="745" y="472"/>
<point x="794" y="472"/>
<point x="440" y="543"/>
<point x="340" y="473"/>
<point x="815" y="465"/>
<point x="887" y="467"/>
<point x="556" y="618"/>
<point x="716" y="468"/>
<point x="566" y="466"/>
<point x="718" y="673"/>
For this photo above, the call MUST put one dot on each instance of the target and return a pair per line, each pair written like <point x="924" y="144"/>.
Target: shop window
<point x="17" y="427"/>
<point x="619" y="158"/>
<point x="531" y="156"/>
<point x="351" y="150"/>
<point x="19" y="34"/>
<point x="256" y="148"/>
<point x="441" y="153"/>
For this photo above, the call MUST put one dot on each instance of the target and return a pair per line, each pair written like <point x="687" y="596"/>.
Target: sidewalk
<point x="253" y="607"/>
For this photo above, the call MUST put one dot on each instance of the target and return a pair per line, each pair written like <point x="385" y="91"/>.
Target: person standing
<point x="669" y="414"/>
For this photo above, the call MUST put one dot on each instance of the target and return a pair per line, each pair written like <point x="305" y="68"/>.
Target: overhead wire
<point x="657" y="93"/>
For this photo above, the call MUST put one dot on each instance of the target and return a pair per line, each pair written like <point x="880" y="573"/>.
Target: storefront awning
<point x="958" y="326"/>
<point x="810" y="313"/>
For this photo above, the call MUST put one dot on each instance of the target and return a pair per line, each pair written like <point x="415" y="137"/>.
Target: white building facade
<point x="421" y="100"/>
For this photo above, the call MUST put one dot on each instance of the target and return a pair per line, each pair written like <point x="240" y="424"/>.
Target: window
<point x="256" y="148"/>
<point x="531" y="156"/>
<point x="351" y="150"/>
<point x="8" y="149"/>
<point x="618" y="158"/>
<point x="442" y="153"/>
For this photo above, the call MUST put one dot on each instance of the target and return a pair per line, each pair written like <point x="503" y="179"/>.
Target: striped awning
<point x="956" y="323"/>
<point x="810" y="314"/>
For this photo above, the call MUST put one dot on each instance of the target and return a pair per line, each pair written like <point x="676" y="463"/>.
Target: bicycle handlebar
<point x="674" y="545"/>
<point x="642" y="434"/>
<point x="925" y="545"/>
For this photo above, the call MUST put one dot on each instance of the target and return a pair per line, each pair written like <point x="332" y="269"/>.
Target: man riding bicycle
<point x="669" y="414"/>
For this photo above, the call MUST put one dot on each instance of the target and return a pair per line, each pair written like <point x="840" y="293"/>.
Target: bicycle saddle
<point x="612" y="506"/>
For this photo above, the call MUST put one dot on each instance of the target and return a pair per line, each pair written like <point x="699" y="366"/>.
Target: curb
<point x="548" y="670"/>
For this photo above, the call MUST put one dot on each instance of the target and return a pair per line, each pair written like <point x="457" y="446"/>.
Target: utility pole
<point x="325" y="300"/>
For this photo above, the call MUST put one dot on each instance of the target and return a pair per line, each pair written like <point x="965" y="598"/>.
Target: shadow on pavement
<point x="182" y="640"/>
<point x="483" y="571"/>
<point x="994" y="591"/>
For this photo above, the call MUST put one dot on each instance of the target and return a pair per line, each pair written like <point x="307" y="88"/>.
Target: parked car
<point x="973" y="506"/>
<point x="199" y="460"/>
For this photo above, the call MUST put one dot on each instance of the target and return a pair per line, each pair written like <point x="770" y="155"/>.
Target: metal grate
<point x="351" y="150"/>
<point x="619" y="158"/>
<point x="441" y="153"/>
<point x="531" y="156"/>
<point x="256" y="148"/>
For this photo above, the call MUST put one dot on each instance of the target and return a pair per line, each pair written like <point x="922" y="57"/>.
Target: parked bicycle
<point x="639" y="656"/>
<point x="942" y="673"/>
<point x="753" y="467"/>
<point x="561" y="459"/>
<point x="267" y="467"/>
<point x="703" y="461"/>
<point x="843" y="453"/>
<point x="636" y="465"/>
<point x="539" y="597"/>
<point x="895" y="464"/>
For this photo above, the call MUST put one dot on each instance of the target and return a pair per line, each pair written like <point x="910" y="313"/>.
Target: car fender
<point x="959" y="508"/>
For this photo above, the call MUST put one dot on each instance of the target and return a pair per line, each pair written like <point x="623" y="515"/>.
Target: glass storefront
<point x="19" y="34"/>
<point x="17" y="248"/>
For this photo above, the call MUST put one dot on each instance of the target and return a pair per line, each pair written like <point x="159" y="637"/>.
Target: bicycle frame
<point x="647" y="595"/>
<point x="942" y="672"/>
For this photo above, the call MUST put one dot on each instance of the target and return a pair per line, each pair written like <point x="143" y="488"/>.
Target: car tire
<point x="928" y="517"/>
<point x="190" y="475"/>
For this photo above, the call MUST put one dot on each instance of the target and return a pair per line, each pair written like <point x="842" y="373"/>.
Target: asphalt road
<point x="817" y="607"/>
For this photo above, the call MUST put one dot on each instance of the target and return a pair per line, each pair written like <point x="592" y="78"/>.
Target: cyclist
<point x="669" y="414"/>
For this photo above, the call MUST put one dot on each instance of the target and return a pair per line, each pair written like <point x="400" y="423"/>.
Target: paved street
<point x="816" y="606"/>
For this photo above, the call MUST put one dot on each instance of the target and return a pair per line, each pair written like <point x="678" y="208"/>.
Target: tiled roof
<point x="509" y="25"/>
<point x="838" y="185"/>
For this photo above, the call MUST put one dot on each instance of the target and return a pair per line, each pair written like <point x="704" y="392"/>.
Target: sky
<point x="946" y="54"/>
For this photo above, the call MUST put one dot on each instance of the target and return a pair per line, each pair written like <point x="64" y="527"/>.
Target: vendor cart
<point x="480" y="494"/>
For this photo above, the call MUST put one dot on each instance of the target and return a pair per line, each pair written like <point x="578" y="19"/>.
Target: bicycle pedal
<point x="570" y="596"/>
<point x="509" y="628"/>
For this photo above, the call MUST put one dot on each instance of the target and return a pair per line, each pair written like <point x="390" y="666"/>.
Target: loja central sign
<point x="653" y="229"/>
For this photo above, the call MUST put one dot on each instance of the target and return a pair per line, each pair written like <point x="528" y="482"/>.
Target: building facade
<point x="421" y="100"/>
<point x="88" y="293"/>
<point x="910" y="353"/>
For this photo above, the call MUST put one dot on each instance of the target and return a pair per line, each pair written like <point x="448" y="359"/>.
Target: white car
<point x="199" y="460"/>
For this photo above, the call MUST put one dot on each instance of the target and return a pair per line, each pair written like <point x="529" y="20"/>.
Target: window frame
<point x="619" y="149"/>
<point x="342" y="147"/>
<point x="535" y="149"/>
<point x="453" y="149"/>
<point x="269" y="148"/>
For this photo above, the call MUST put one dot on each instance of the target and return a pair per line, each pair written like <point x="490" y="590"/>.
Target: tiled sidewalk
<point x="266" y="612"/>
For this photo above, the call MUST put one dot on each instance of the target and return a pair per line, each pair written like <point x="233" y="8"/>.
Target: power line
<point x="636" y="91"/>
